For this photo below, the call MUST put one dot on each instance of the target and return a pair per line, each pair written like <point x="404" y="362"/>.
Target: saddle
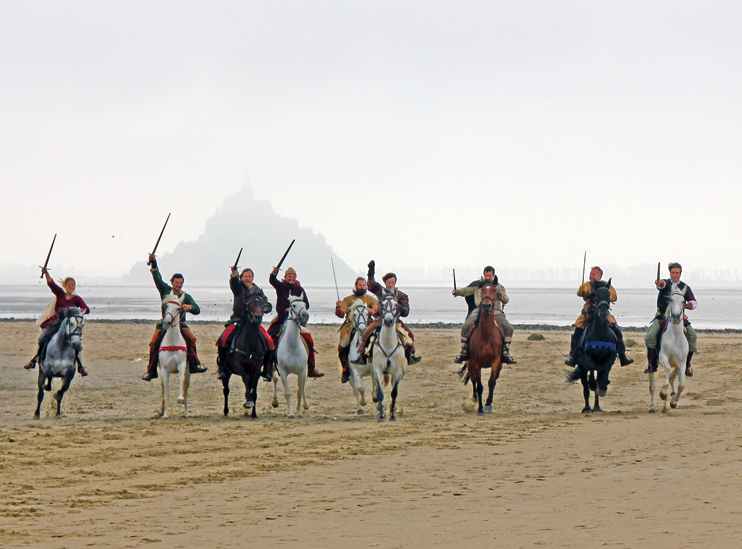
<point x="499" y="328"/>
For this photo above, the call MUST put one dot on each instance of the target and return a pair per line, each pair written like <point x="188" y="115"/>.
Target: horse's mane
<point x="293" y="298"/>
<point x="68" y="312"/>
<point x="482" y="283"/>
<point x="170" y="297"/>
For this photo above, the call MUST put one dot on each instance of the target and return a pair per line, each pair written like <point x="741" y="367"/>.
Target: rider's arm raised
<point x="162" y="286"/>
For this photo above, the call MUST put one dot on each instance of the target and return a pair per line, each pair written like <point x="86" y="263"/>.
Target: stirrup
<point x="31" y="365"/>
<point x="571" y="360"/>
<point x="345" y="377"/>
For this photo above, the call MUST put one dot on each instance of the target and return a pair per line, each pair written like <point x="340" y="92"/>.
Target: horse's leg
<point x="354" y="383"/>
<point x="491" y="384"/>
<point x="40" y="396"/>
<point x="59" y="395"/>
<point x="274" y="399"/>
<point x="379" y="393"/>
<point x="395" y="392"/>
<point x="652" y="388"/>
<point x="596" y="403"/>
<point x="480" y="389"/>
<point x="286" y="392"/>
<point x="225" y="390"/>
<point x="246" y="379"/>
<point x="663" y="360"/>
<point x="253" y="389"/>
<point x="184" y="385"/>
<point x="680" y="372"/>
<point x="585" y="391"/>
<point x="303" y="388"/>
<point x="164" y="383"/>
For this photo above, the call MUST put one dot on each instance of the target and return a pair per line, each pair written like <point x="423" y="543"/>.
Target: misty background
<point x="425" y="135"/>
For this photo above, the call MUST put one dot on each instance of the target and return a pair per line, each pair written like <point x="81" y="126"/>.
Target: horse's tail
<point x="572" y="375"/>
<point x="463" y="373"/>
<point x="387" y="379"/>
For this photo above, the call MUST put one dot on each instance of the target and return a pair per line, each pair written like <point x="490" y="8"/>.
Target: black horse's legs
<point x="395" y="391"/>
<point x="59" y="395"/>
<point x="225" y="384"/>
<point x="480" y="390"/>
<point x="380" y="399"/>
<point x="491" y="385"/>
<point x="40" y="396"/>
<point x="585" y="391"/>
<point x="596" y="405"/>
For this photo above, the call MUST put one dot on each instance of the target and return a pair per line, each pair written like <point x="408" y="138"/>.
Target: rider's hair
<point x="596" y="268"/>
<point x="675" y="265"/>
<point x="488" y="269"/>
<point x="177" y="275"/>
<point x="66" y="280"/>
<point x="248" y="270"/>
<point x="357" y="279"/>
<point x="387" y="276"/>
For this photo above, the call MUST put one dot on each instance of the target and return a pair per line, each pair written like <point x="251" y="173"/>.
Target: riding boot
<point x="412" y="358"/>
<point x="267" y="371"/>
<point x="80" y="368"/>
<point x="464" y="354"/>
<point x="221" y="363"/>
<point x="651" y="355"/>
<point x="194" y="364"/>
<point x="572" y="357"/>
<point x="151" y="372"/>
<point x="621" y="347"/>
<point x="32" y="363"/>
<point x="688" y="369"/>
<point x="506" y="358"/>
<point x="312" y="366"/>
<point x="343" y="356"/>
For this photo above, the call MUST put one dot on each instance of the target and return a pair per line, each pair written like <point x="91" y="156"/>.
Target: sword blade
<point x="46" y="263"/>
<point x="658" y="270"/>
<point x="584" y="262"/>
<point x="337" y="291"/>
<point x="454" y="280"/>
<point x="159" y="237"/>
<point x="285" y="254"/>
<point x="238" y="259"/>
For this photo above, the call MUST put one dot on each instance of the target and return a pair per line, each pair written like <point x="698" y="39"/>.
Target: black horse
<point x="596" y="352"/>
<point x="247" y="352"/>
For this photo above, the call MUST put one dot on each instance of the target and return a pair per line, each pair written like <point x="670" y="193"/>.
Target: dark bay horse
<point x="61" y="356"/>
<point x="596" y="352"/>
<point x="246" y="354"/>
<point x="485" y="346"/>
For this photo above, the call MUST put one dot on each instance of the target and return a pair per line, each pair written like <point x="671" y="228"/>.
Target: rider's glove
<point x="371" y="268"/>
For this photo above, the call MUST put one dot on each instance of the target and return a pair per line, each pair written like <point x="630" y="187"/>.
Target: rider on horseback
<point x="390" y="284"/>
<point x="189" y="305"/>
<point x="49" y="321"/>
<point x="587" y="292"/>
<point x="475" y="290"/>
<point x="666" y="288"/>
<point x="243" y="289"/>
<point x="344" y="309"/>
<point x="285" y="288"/>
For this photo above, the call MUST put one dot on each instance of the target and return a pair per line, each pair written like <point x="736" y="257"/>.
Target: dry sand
<point x="536" y="472"/>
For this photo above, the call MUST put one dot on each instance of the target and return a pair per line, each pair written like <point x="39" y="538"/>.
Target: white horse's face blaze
<point x="359" y="317"/>
<point x="675" y="309"/>
<point x="173" y="308"/>
<point x="298" y="310"/>
<point x="389" y="310"/>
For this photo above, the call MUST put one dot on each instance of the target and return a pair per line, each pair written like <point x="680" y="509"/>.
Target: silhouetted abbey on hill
<point x="243" y="222"/>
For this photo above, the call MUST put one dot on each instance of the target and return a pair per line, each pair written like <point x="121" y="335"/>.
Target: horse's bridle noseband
<point x="253" y="318"/>
<point x="77" y="331"/>
<point x="178" y="313"/>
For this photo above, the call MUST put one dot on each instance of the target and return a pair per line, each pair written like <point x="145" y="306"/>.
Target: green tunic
<point x="165" y="289"/>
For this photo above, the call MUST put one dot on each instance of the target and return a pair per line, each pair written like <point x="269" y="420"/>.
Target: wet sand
<point x="536" y="472"/>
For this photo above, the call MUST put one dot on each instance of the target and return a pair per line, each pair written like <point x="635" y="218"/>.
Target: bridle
<point x="178" y="313"/>
<point x="487" y="307"/>
<point x="77" y="331"/>
<point x="293" y="315"/>
<point x="359" y="313"/>
<point x="255" y="319"/>
<point x="675" y="318"/>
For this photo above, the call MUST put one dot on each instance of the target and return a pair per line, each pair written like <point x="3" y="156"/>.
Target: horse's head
<point x="359" y="315"/>
<point x="72" y="324"/>
<point x="674" y="312"/>
<point x="173" y="307"/>
<point x="254" y="309"/>
<point x="489" y="295"/>
<point x="298" y="310"/>
<point x="602" y="302"/>
<point x="389" y="308"/>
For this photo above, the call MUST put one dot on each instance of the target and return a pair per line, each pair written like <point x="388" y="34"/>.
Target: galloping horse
<point x="596" y="352"/>
<point x="359" y="367"/>
<point x="485" y="346"/>
<point x="61" y="356"/>
<point x="291" y="357"/>
<point x="172" y="354"/>
<point x="246" y="353"/>
<point x="389" y="362"/>
<point x="673" y="353"/>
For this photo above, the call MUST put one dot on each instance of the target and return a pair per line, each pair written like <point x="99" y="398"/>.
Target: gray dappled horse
<point x="60" y="359"/>
<point x="596" y="352"/>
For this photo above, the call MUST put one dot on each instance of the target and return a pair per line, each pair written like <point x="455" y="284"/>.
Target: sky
<point x="417" y="133"/>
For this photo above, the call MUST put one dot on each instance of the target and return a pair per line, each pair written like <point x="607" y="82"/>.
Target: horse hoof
<point x="601" y="392"/>
<point x="299" y="415"/>
<point x="37" y="416"/>
<point x="375" y="399"/>
<point x="164" y="417"/>
<point x="652" y="411"/>
<point x="181" y="401"/>
<point x="290" y="416"/>
<point x="673" y="405"/>
<point x="488" y="409"/>
<point x="597" y="410"/>
<point x="360" y="412"/>
<point x="393" y="418"/>
<point x="663" y="396"/>
<point x="586" y="410"/>
<point x="480" y="413"/>
<point x="274" y="404"/>
<point x="381" y="420"/>
<point x="248" y="405"/>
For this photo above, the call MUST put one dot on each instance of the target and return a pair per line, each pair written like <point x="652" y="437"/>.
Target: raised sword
<point x="158" y="238"/>
<point x="48" y="256"/>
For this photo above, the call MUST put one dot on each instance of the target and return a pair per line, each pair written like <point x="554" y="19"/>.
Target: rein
<point x="178" y="312"/>
<point x="389" y="304"/>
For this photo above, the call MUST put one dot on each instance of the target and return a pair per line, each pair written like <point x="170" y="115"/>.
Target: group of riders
<point x="369" y="292"/>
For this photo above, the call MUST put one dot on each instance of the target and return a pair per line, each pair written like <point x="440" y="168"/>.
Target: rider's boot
<point x="464" y="354"/>
<point x="151" y="372"/>
<point x="194" y="364"/>
<point x="312" y="366"/>
<point x="221" y="363"/>
<point x="343" y="356"/>
<point x="267" y="371"/>
<point x="32" y="363"/>
<point x="688" y="369"/>
<point x="621" y="347"/>
<point x="412" y="358"/>
<point x="651" y="353"/>
<point x="506" y="358"/>
<point x="572" y="357"/>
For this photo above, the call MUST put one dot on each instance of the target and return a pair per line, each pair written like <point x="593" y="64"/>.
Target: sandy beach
<point x="536" y="472"/>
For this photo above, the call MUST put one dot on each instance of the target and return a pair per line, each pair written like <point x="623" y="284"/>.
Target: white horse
<point x="172" y="353"/>
<point x="359" y="367"/>
<point x="291" y="357"/>
<point x="389" y="362"/>
<point x="673" y="354"/>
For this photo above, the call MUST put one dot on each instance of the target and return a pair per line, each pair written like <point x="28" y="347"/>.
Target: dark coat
<point x="241" y="296"/>
<point x="283" y="291"/>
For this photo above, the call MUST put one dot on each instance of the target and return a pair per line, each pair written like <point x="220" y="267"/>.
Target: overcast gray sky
<point x="417" y="133"/>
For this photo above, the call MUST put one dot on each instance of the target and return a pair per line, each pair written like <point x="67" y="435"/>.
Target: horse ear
<point x="609" y="283"/>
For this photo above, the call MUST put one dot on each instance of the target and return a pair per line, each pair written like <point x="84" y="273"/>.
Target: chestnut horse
<point x="485" y="346"/>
